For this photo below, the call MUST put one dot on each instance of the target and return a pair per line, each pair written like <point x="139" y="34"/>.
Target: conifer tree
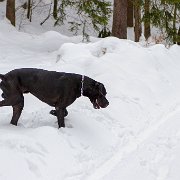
<point x="130" y="13"/>
<point x="164" y="15"/>
<point x="147" y="30"/>
<point x="10" y="11"/>
<point x="55" y="10"/>
<point x="137" y="18"/>
<point x="94" y="13"/>
<point x="119" y="27"/>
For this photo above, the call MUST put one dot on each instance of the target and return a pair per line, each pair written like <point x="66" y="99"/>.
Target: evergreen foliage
<point x="85" y="15"/>
<point x="105" y="32"/>
<point x="94" y="13"/>
<point x="165" y="15"/>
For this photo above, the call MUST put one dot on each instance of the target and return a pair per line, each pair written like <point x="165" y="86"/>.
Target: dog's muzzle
<point x="100" y="102"/>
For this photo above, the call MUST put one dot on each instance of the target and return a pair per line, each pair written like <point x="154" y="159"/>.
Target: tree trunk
<point x="147" y="29"/>
<point x="130" y="16"/>
<point x="119" y="27"/>
<point x="174" y="24"/>
<point x="137" y="17"/>
<point x="29" y="9"/>
<point x="55" y="9"/>
<point x="10" y="11"/>
<point x="178" y="38"/>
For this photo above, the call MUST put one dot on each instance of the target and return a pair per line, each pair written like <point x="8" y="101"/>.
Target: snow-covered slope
<point x="136" y="137"/>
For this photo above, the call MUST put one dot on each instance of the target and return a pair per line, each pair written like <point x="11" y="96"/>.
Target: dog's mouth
<point x="97" y="104"/>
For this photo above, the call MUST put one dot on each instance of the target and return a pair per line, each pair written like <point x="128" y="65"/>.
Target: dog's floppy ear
<point x="100" y="87"/>
<point x="97" y="85"/>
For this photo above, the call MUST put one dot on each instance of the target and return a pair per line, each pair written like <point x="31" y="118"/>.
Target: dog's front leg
<point x="60" y="116"/>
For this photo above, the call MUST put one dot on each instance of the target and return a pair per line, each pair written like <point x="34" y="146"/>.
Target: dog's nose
<point x="106" y="104"/>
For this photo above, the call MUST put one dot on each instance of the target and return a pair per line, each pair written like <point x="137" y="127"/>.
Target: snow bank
<point x="135" y="137"/>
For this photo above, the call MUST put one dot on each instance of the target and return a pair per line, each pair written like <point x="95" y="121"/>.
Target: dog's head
<point x="97" y="95"/>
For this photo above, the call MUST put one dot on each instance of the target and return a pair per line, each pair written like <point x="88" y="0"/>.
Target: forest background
<point x="151" y="20"/>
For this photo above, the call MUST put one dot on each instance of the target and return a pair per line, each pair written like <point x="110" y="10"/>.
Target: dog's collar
<point x="82" y="85"/>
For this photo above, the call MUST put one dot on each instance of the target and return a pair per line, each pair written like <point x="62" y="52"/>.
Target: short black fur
<point x="57" y="89"/>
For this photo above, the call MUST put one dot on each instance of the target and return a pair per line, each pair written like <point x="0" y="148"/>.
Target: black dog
<point x="57" y="89"/>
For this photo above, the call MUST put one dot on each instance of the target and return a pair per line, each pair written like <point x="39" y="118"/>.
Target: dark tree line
<point x="126" y="13"/>
<point x="163" y="14"/>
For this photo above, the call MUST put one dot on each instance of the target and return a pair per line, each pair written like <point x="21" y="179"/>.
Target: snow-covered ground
<point x="137" y="137"/>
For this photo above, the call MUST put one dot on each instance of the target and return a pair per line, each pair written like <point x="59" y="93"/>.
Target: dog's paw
<point x="53" y="112"/>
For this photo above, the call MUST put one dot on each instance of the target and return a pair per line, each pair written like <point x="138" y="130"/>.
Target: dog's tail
<point x="1" y="76"/>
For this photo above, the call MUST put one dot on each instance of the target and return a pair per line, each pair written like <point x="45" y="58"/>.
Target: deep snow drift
<point x="136" y="137"/>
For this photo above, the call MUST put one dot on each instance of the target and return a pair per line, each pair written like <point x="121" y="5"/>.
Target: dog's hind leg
<point x="17" y="110"/>
<point x="17" y="103"/>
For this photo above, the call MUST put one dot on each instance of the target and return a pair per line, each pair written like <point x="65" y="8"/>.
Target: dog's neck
<point x="82" y="85"/>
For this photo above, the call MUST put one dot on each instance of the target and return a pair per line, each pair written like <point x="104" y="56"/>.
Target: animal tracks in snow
<point x="134" y="144"/>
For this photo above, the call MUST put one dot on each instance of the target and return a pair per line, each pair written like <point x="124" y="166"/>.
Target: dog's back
<point x="1" y="76"/>
<point x="48" y="86"/>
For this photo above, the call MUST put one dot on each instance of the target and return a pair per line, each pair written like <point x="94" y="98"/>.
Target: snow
<point x="136" y="137"/>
